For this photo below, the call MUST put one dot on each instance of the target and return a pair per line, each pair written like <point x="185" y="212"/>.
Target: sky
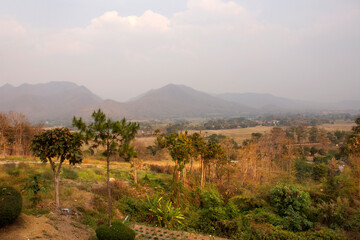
<point x="300" y="49"/>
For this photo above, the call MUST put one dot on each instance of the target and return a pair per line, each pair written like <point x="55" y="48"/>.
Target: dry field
<point x="240" y="134"/>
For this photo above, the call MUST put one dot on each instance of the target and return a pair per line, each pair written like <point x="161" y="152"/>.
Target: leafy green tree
<point x="56" y="146"/>
<point x="292" y="204"/>
<point x="115" y="136"/>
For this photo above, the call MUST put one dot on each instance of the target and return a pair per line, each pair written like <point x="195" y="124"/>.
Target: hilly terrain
<point x="47" y="101"/>
<point x="60" y="101"/>
<point x="171" y="101"/>
<point x="267" y="103"/>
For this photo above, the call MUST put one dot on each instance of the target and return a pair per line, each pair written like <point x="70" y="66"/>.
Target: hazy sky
<point x="304" y="49"/>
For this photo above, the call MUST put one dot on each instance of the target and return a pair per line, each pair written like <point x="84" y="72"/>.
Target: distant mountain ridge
<point x="172" y="101"/>
<point x="267" y="103"/>
<point x="46" y="101"/>
<point x="62" y="100"/>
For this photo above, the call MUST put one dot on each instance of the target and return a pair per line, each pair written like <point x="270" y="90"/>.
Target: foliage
<point x="320" y="171"/>
<point x="117" y="231"/>
<point x="292" y="204"/>
<point x="35" y="185"/>
<point x="211" y="210"/>
<point x="57" y="144"/>
<point x="10" y="205"/>
<point x="333" y="213"/>
<point x="115" y="136"/>
<point x="166" y="214"/>
<point x="247" y="202"/>
<point x="303" y="169"/>
<point x="277" y="233"/>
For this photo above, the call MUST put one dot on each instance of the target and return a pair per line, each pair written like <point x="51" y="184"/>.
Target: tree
<point x="115" y="136"/>
<point x="352" y="150"/>
<point x="56" y="146"/>
<point x="179" y="148"/>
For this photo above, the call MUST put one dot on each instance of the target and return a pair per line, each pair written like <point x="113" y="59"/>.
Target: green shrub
<point x="69" y="174"/>
<point x="237" y="228"/>
<point x="261" y="215"/>
<point x="167" y="215"/>
<point x="35" y="185"/>
<point x="118" y="231"/>
<point x="10" y="205"/>
<point x="277" y="233"/>
<point x="292" y="204"/>
<point x="211" y="210"/>
<point x="320" y="171"/>
<point x="303" y="169"/>
<point x="247" y="203"/>
<point x="333" y="213"/>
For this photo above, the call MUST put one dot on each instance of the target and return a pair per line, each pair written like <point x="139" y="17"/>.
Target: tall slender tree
<point x="115" y="136"/>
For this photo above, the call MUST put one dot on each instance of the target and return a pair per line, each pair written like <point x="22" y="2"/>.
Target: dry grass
<point x="238" y="134"/>
<point x="342" y="126"/>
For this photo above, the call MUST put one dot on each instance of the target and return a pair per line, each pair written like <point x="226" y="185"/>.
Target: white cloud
<point x="216" y="6"/>
<point x="10" y="28"/>
<point x="149" y="20"/>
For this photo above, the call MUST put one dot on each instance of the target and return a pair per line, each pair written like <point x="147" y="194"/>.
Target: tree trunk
<point x="108" y="188"/>
<point x="4" y="149"/>
<point x="184" y="175"/>
<point x="209" y="173"/>
<point x="135" y="172"/>
<point x="191" y="164"/>
<point x="202" y="173"/>
<point x="56" y="188"/>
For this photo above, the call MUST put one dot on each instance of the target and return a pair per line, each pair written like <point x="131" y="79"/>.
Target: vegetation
<point x="54" y="145"/>
<point x="10" y="205"/>
<point x="295" y="182"/>
<point x="115" y="136"/>
<point x="117" y="231"/>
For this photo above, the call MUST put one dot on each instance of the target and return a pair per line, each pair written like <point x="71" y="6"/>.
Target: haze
<point x="118" y="49"/>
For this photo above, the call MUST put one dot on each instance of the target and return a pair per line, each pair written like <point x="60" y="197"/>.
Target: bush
<point x="303" y="169"/>
<point x="333" y="213"/>
<point x="261" y="215"/>
<point x="166" y="214"/>
<point x="320" y="171"/>
<point x="211" y="210"/>
<point x="237" y="228"/>
<point x="247" y="203"/>
<point x="292" y="204"/>
<point x="277" y="233"/>
<point x="10" y="205"/>
<point x="118" y="231"/>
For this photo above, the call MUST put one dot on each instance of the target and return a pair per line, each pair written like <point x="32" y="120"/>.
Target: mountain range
<point x="60" y="101"/>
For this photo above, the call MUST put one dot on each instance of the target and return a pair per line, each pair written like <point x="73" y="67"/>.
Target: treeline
<point x="16" y="133"/>
<point x="266" y="120"/>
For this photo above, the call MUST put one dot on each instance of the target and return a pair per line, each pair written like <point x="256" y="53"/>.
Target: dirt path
<point x="52" y="226"/>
